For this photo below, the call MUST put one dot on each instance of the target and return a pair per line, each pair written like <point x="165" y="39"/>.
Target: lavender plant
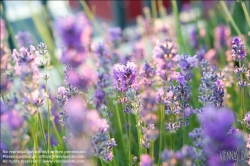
<point x="125" y="96"/>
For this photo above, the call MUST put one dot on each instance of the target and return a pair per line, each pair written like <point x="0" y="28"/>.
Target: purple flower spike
<point x="125" y="76"/>
<point x="238" y="49"/>
<point x="99" y="97"/>
<point x="25" y="57"/>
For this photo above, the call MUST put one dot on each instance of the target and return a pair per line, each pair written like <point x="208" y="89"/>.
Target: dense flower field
<point x="171" y="90"/>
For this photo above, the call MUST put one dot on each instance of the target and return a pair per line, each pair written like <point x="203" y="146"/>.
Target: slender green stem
<point x="178" y="27"/>
<point x="172" y="141"/>
<point x="154" y="10"/>
<point x="34" y="135"/>
<point x="242" y="96"/>
<point x="129" y="139"/>
<point x="59" y="138"/>
<point x="47" y="100"/>
<point x="246" y="12"/>
<point x="162" y="115"/>
<point x="103" y="164"/>
<point x="152" y="149"/>
<point x="91" y="16"/>
<point x="232" y="21"/>
<point x="120" y="125"/>
<point x="138" y="134"/>
<point x="42" y="128"/>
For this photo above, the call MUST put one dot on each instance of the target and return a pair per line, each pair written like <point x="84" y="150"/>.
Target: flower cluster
<point x="211" y="88"/>
<point x="125" y="76"/>
<point x="164" y="52"/>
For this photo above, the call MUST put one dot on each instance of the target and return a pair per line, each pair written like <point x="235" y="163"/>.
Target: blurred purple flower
<point x="186" y="155"/>
<point x="99" y="97"/>
<point x="216" y="139"/>
<point x="221" y="34"/>
<point x="2" y="30"/>
<point x="5" y="59"/>
<point x="23" y="39"/>
<point x="167" y="156"/>
<point x="145" y="160"/>
<point x="76" y="112"/>
<point x="74" y="57"/>
<point x="114" y="34"/>
<point x="71" y="30"/>
<point x="200" y="54"/>
<point x="193" y="37"/>
<point x="82" y="80"/>
<point x="13" y="119"/>
<point x="5" y="83"/>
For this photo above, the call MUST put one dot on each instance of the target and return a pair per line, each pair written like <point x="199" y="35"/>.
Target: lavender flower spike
<point x="125" y="76"/>
<point x="238" y="49"/>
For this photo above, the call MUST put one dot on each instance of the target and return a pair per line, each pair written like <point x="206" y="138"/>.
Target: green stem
<point x="34" y="135"/>
<point x="154" y="10"/>
<point x="242" y="96"/>
<point x="161" y="131"/>
<point x="59" y="138"/>
<point x="129" y="139"/>
<point x="172" y="141"/>
<point x="120" y="126"/>
<point x="178" y="27"/>
<point x="232" y="21"/>
<point x="152" y="150"/>
<point x="47" y="100"/>
<point x="91" y="16"/>
<point x="138" y="134"/>
<point x="42" y="128"/>
<point x="246" y="13"/>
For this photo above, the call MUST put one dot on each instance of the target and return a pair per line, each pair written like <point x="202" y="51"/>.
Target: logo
<point x="240" y="155"/>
